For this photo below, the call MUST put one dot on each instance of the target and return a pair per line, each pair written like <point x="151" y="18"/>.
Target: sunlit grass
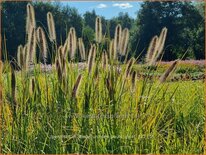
<point x="109" y="105"/>
<point x="149" y="118"/>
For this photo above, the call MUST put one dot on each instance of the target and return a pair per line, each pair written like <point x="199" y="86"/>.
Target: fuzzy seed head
<point x="162" y="39"/>
<point x="59" y="71"/>
<point x="152" y="50"/>
<point x="25" y="57"/>
<point x="41" y="38"/>
<point x="76" y="86"/>
<point x="30" y="20"/>
<point x="160" y="46"/>
<point x="70" y="45"/>
<point x="31" y="86"/>
<point x="124" y="41"/>
<point x="168" y="71"/>
<point x="104" y="60"/>
<point x="72" y="42"/>
<point x="66" y="47"/>
<point x="112" y="54"/>
<point x="60" y="55"/>
<point x="81" y="49"/>
<point x="63" y="67"/>
<point x="60" y="52"/>
<point x="92" y="56"/>
<point x="117" y="39"/>
<point x="51" y="26"/>
<point x="31" y="46"/>
<point x="98" y="30"/>
<point x="20" y="55"/>
<point x="74" y="38"/>
<point x="129" y="67"/>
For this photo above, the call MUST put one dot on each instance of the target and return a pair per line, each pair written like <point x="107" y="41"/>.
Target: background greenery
<point x="184" y="20"/>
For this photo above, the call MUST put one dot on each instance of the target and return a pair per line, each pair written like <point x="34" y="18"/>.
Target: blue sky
<point x="104" y="8"/>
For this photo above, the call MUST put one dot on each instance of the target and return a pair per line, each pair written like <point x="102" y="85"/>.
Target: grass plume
<point x="130" y="63"/>
<point x="81" y="49"/>
<point x="31" y="47"/>
<point x="152" y="49"/>
<point x="30" y="19"/>
<point x="58" y="69"/>
<point x="117" y="39"/>
<point x="112" y="53"/>
<point x="124" y="41"/>
<point x="161" y="42"/>
<point x="20" y="55"/>
<point x="31" y="86"/>
<point x="91" y="59"/>
<point x="76" y="86"/>
<point x="72" y="43"/>
<point x="168" y="71"/>
<point x="25" y="59"/>
<point x="98" y="30"/>
<point x="51" y="27"/>
<point x="104" y="60"/>
<point x="41" y="38"/>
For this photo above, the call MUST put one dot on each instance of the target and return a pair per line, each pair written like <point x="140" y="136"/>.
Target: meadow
<point x="112" y="105"/>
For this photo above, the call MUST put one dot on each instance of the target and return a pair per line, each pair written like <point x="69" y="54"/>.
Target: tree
<point x="14" y="21"/>
<point x="200" y="6"/>
<point x="13" y="25"/>
<point x="90" y="18"/>
<point x="73" y="19"/>
<point x="179" y="17"/>
<point x="65" y="18"/>
<point x="123" y="19"/>
<point x="88" y="37"/>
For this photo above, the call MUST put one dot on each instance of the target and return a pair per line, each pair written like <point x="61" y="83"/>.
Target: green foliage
<point x="13" y="25"/>
<point x="184" y="20"/>
<point x="88" y="36"/>
<point x="123" y="19"/>
<point x="190" y="68"/>
<point x="14" y="17"/>
<point x="185" y="28"/>
<point x="89" y="19"/>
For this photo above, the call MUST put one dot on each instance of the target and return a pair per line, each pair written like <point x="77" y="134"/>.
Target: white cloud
<point x="123" y="5"/>
<point x="101" y="6"/>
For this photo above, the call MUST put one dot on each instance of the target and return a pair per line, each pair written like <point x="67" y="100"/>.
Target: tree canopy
<point x="184" y="20"/>
<point x="185" y="28"/>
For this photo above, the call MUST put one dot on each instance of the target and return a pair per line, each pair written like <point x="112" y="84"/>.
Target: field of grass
<point x="107" y="114"/>
<point x="105" y="107"/>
